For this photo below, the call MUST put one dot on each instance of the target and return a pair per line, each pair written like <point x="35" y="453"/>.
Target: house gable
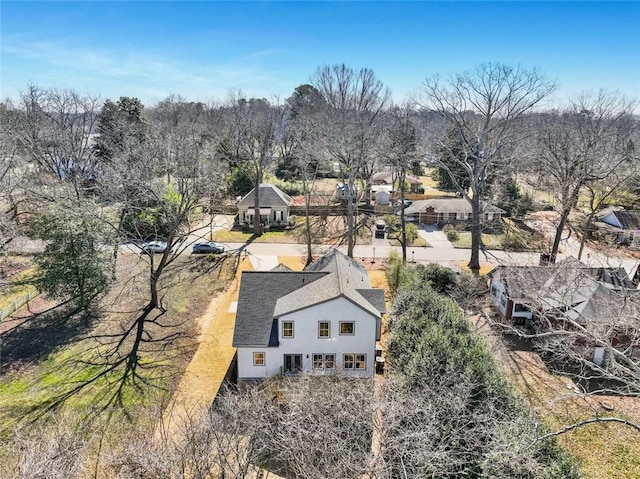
<point x="611" y="219"/>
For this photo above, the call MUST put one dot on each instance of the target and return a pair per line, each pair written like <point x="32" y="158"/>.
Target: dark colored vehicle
<point x="381" y="227"/>
<point x="207" y="247"/>
<point x="154" y="247"/>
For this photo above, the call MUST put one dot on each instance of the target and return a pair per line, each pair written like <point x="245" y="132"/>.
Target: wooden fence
<point x="17" y="304"/>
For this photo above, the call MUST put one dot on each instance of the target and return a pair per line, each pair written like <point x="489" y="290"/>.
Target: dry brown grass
<point x="602" y="450"/>
<point x="208" y="368"/>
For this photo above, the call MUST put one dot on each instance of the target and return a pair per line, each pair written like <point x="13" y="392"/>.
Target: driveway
<point x="434" y="236"/>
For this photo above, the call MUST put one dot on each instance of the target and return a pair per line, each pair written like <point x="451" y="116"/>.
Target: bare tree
<point x="299" y="148"/>
<point x="54" y="129"/>
<point x="10" y="176"/>
<point x="252" y="139"/>
<point x="587" y="143"/>
<point x="400" y="150"/>
<point x="54" y="450"/>
<point x="586" y="323"/>
<point x="347" y="128"/>
<point x="601" y="193"/>
<point x="484" y="109"/>
<point x="163" y="209"/>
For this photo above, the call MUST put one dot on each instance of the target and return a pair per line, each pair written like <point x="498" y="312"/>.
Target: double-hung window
<point x="258" y="359"/>
<point x="287" y="329"/>
<point x="354" y="361"/>
<point x="324" y="329"/>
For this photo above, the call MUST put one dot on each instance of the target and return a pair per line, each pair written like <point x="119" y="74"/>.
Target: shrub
<point x="398" y="274"/>
<point x="411" y="230"/>
<point x="513" y="242"/>
<point x="441" y="278"/>
<point x="453" y="235"/>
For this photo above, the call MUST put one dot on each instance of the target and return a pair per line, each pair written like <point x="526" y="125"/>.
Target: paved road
<point x="380" y="249"/>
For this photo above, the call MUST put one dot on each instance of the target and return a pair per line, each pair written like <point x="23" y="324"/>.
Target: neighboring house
<point x="597" y="299"/>
<point x="324" y="319"/>
<point x="387" y="178"/>
<point x="620" y="225"/>
<point x="569" y="296"/>
<point x="274" y="206"/>
<point x="442" y="211"/>
<point x="517" y="291"/>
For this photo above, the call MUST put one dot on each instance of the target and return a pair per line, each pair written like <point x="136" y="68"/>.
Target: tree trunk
<point x="307" y="223"/>
<point x="556" y="240"/>
<point x="403" y="221"/>
<point x="153" y="284"/>
<point x="257" y="224"/>
<point x="583" y="240"/>
<point x="350" y="221"/>
<point x="476" y="236"/>
<point x="116" y="246"/>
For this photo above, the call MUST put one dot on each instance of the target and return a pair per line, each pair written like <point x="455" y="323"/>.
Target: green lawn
<point x="491" y="241"/>
<point x="513" y="238"/>
<point x="418" y="243"/>
<point x="16" y="289"/>
<point x="236" y="236"/>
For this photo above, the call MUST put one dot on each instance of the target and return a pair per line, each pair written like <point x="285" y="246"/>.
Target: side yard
<point x="49" y="349"/>
<point x="603" y="450"/>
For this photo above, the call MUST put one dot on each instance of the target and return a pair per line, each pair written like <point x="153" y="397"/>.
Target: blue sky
<point x="201" y="50"/>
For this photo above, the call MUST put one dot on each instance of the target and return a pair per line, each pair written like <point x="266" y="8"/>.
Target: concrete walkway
<point x="434" y="236"/>
<point x="263" y="262"/>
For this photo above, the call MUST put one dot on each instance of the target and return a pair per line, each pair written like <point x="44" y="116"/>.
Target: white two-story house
<point x="324" y="319"/>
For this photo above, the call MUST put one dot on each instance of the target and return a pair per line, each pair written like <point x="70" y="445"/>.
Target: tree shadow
<point x="517" y="343"/>
<point x="588" y="378"/>
<point x="40" y="334"/>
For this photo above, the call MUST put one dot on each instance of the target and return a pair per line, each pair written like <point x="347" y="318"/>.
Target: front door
<point x="292" y="363"/>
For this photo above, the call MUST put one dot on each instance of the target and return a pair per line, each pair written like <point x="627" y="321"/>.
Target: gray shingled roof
<point x="270" y="196"/>
<point x="585" y="294"/>
<point x="267" y="295"/>
<point x="449" y="205"/>
<point x="347" y="277"/>
<point x="375" y="297"/>
<point x="387" y="177"/>
<point x="605" y="306"/>
<point x="259" y="291"/>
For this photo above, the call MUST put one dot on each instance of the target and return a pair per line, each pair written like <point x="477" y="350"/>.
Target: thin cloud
<point x="141" y="71"/>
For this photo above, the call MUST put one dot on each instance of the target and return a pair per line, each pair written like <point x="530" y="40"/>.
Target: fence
<point x="17" y="304"/>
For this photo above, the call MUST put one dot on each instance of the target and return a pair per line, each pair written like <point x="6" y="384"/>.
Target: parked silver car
<point x="154" y="247"/>
<point x="207" y="247"/>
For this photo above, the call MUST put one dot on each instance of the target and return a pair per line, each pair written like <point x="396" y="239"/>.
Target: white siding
<point x="306" y="341"/>
<point x="276" y="214"/>
<point x="498" y="293"/>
